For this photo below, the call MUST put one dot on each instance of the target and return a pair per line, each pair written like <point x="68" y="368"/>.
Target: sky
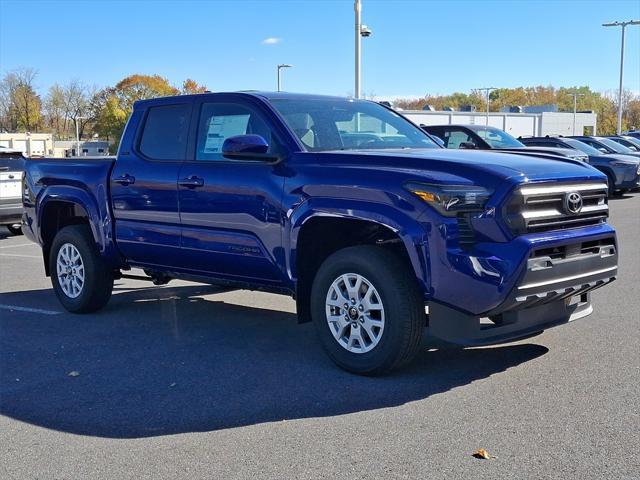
<point x="418" y="47"/>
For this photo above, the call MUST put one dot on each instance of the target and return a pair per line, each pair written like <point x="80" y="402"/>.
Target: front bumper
<point x="498" y="302"/>
<point x="627" y="178"/>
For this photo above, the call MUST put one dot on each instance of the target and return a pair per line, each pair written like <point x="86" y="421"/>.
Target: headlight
<point x="448" y="200"/>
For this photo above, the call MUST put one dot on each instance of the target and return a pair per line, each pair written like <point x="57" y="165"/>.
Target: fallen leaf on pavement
<point x="74" y="374"/>
<point x="482" y="453"/>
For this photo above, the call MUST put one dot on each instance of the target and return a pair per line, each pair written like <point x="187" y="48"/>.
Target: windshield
<point x="497" y="138"/>
<point x="615" y="146"/>
<point x="337" y="124"/>
<point x="583" y="147"/>
<point x="633" y="141"/>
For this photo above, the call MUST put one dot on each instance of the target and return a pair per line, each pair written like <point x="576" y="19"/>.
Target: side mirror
<point x="244" y="146"/>
<point x="467" y="145"/>
<point x="248" y="147"/>
<point x="603" y="150"/>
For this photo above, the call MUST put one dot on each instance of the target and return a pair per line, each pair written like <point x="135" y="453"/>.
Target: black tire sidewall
<point x="14" y="230"/>
<point x="382" y="269"/>
<point x="98" y="281"/>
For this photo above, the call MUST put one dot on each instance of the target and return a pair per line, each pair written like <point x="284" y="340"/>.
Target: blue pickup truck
<point x="376" y="231"/>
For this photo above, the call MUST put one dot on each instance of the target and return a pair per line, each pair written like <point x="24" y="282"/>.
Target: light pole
<point x="280" y="67"/>
<point x="361" y="31"/>
<point x="487" y="89"/>
<point x="75" y="120"/>
<point x="575" y="103"/>
<point x="624" y="26"/>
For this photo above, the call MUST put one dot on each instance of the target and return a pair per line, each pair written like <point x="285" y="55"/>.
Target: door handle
<point x="191" y="182"/>
<point x="125" y="179"/>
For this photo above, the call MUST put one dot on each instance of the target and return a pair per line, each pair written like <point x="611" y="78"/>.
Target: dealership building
<point x="43" y="144"/>
<point x="525" y="123"/>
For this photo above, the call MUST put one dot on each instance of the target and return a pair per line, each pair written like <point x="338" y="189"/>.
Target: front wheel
<point x="15" y="229"/>
<point x="367" y="309"/>
<point x="81" y="280"/>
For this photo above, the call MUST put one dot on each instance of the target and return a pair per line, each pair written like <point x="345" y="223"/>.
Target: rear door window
<point x="165" y="132"/>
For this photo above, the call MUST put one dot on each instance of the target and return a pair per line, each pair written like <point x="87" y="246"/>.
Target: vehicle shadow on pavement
<point x="166" y="361"/>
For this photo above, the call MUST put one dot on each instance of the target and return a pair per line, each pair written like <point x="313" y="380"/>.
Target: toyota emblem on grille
<point x="573" y="202"/>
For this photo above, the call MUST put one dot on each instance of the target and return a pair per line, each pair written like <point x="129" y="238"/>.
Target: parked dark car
<point x="627" y="141"/>
<point x="606" y="145"/>
<point x="483" y="137"/>
<point x="11" y="169"/>
<point x="344" y="205"/>
<point x="622" y="171"/>
<point x="633" y="133"/>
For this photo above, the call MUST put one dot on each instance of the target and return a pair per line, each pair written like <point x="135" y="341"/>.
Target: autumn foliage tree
<point x="604" y="104"/>
<point x="190" y="86"/>
<point x="20" y="105"/>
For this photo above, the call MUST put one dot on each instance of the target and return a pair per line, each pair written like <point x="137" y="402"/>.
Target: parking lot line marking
<point x="20" y="245"/>
<point x="28" y="309"/>
<point x="18" y="255"/>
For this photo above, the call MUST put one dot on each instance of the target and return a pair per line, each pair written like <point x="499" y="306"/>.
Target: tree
<point x="21" y="106"/>
<point x="633" y="113"/>
<point x="54" y="108"/>
<point x="190" y="86"/>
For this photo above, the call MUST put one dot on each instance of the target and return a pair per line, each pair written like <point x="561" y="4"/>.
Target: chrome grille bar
<point x="539" y="208"/>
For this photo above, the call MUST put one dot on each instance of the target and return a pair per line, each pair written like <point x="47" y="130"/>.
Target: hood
<point x="481" y="167"/>
<point x="610" y="157"/>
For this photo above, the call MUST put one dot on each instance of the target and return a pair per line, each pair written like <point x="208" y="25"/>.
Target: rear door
<point x="144" y="191"/>
<point x="230" y="210"/>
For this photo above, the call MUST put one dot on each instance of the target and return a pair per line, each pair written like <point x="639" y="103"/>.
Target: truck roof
<point x="247" y="93"/>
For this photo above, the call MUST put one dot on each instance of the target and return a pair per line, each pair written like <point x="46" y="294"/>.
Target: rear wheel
<point x="81" y="280"/>
<point x="367" y="309"/>
<point x="15" y="229"/>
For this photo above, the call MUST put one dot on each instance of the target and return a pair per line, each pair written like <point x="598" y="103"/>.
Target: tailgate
<point x="10" y="185"/>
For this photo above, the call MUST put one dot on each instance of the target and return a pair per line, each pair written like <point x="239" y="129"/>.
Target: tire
<point x="612" y="188"/>
<point x="94" y="291"/>
<point x="15" y="229"/>
<point x="397" y="319"/>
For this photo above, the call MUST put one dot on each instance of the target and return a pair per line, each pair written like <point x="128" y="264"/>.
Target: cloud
<point x="271" y="41"/>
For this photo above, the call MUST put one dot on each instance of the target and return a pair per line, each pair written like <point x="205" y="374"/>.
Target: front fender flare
<point x="404" y="226"/>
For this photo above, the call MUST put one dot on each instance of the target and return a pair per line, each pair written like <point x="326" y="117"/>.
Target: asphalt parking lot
<point x="183" y="382"/>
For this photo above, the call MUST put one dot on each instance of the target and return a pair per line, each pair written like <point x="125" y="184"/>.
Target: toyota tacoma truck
<point x="376" y="231"/>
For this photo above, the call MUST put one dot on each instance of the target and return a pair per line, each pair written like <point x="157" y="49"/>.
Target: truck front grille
<point x="545" y="207"/>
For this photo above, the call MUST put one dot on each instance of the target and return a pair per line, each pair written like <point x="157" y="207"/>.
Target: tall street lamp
<point x="280" y="67"/>
<point x="487" y="89"/>
<point x="624" y="26"/>
<point x="575" y="103"/>
<point x="361" y="31"/>
<point x="78" y="135"/>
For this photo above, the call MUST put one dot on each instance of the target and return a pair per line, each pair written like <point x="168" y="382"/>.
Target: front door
<point x="144" y="190"/>
<point x="230" y="210"/>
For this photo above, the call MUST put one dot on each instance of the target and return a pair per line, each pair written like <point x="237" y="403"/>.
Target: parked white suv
<point x="11" y="168"/>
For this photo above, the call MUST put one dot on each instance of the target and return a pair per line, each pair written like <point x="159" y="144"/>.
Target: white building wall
<point x="517" y="124"/>
<point x="31" y="144"/>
